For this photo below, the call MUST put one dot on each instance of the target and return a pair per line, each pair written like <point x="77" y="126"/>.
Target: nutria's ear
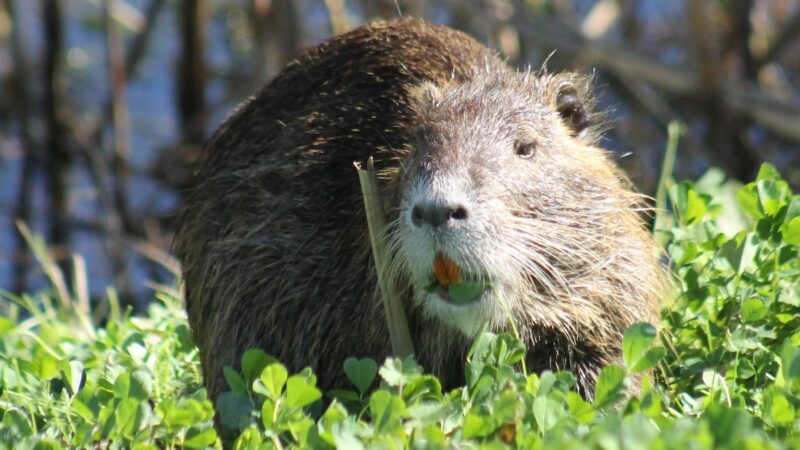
<point x="572" y="108"/>
<point x="422" y="96"/>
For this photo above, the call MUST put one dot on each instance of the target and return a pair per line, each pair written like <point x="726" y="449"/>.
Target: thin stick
<point x="402" y="344"/>
<point x="58" y="158"/>
<point x="23" y="105"/>
<point x="337" y="12"/>
<point x="665" y="182"/>
<point x="119" y="152"/>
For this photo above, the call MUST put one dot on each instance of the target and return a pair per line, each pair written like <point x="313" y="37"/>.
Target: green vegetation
<point x="723" y="373"/>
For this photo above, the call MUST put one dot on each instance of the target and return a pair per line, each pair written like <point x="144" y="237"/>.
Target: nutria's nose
<point x="436" y="214"/>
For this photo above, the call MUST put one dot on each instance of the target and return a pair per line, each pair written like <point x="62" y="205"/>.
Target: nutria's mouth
<point x="462" y="293"/>
<point x="451" y="285"/>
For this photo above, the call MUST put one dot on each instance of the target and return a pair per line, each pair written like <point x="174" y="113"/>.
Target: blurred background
<point x="105" y="104"/>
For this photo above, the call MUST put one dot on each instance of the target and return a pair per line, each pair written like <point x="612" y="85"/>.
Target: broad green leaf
<point x="780" y="410"/>
<point x="268" y="413"/>
<point x="299" y="429"/>
<point x="137" y="385"/>
<point x="274" y="378"/>
<point x="235" y="381"/>
<point x="234" y="410"/>
<point x="790" y="232"/>
<point x="610" y="387"/>
<point x="386" y="410"/>
<point x="83" y="410"/>
<point x="253" y="362"/>
<point x="637" y="339"/>
<point x="200" y="438"/>
<point x="790" y="362"/>
<point x="184" y="412"/>
<point x="477" y="424"/>
<point x="689" y="205"/>
<point x="74" y="375"/>
<point x="580" y="409"/>
<point x="432" y="437"/>
<point x="713" y="380"/>
<point x="747" y="197"/>
<point x="772" y="195"/>
<point x="6" y="325"/>
<point x="122" y="386"/>
<point x="547" y="413"/>
<point x="749" y="251"/>
<point x="345" y="436"/>
<point x="727" y="425"/>
<point x="300" y="392"/>
<point x="753" y="310"/>
<point x="250" y="439"/>
<point x="48" y="445"/>
<point x="361" y="372"/>
<point x="343" y="395"/>
<point x="426" y="387"/>
<point x="398" y="372"/>
<point x="768" y="172"/>
<point x="650" y="359"/>
<point x="129" y="416"/>
<point x="16" y="421"/>
<point x="141" y="387"/>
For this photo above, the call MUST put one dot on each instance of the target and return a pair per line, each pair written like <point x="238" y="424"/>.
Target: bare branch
<point x="776" y="114"/>
<point x="58" y="158"/>
<point x="785" y="37"/>
<point x="22" y="106"/>
<point x="337" y="12"/>
<point x="119" y="154"/>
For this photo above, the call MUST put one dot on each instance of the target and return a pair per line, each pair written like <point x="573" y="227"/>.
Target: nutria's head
<point x="505" y="194"/>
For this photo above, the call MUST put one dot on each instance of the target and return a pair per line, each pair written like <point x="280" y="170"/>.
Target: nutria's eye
<point x="525" y="149"/>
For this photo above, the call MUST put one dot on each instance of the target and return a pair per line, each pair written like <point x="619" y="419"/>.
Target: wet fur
<point x="273" y="238"/>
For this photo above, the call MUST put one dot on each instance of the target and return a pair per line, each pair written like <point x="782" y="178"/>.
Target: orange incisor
<point x="446" y="270"/>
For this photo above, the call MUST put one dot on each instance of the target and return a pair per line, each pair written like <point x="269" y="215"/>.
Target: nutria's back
<point x="492" y="170"/>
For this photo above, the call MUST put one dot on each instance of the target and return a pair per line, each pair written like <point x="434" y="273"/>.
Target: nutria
<point x="494" y="169"/>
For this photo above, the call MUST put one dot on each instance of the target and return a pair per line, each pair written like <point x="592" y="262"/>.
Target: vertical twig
<point x="337" y="14"/>
<point x="192" y="71"/>
<point x="120" y="213"/>
<point x="785" y="38"/>
<point x="739" y="37"/>
<point x="723" y="137"/>
<point x="22" y="106"/>
<point x="276" y="28"/>
<point x="662" y="222"/>
<point x="57" y="160"/>
<point x="139" y="44"/>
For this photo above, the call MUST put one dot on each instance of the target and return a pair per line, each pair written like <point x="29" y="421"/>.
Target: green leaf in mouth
<point x="466" y="291"/>
<point x="432" y="286"/>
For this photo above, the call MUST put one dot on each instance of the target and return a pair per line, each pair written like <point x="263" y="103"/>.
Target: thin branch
<point x="89" y="136"/>
<point x="739" y="36"/>
<point x="776" y="114"/>
<point x="275" y="25"/>
<point x="119" y="154"/>
<point x="785" y="38"/>
<point x="337" y="13"/>
<point x="58" y="159"/>
<point x="138" y="46"/>
<point x="22" y="107"/>
<point x="191" y="77"/>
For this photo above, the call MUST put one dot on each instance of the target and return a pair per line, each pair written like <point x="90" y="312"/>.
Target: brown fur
<point x="273" y="239"/>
